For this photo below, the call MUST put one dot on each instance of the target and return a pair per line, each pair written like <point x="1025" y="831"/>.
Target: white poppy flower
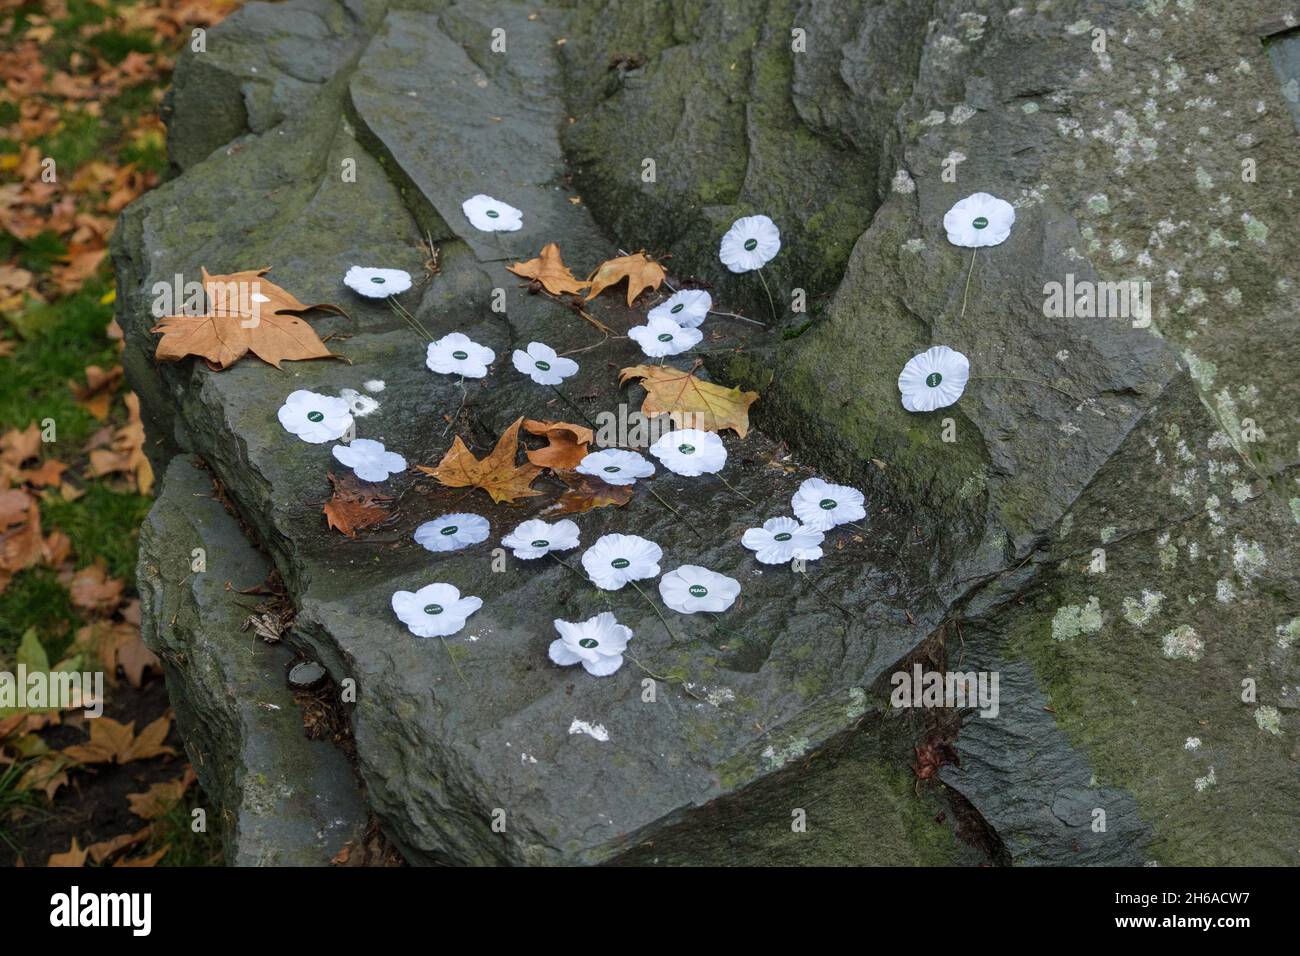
<point x="369" y="460"/>
<point x="934" y="379"/>
<point x="436" y="610"/>
<point x="596" y="643"/>
<point x="315" y="418"/>
<point x="690" y="452"/>
<point x="452" y="532"/>
<point x="615" y="466"/>
<point x="687" y="308"/>
<point x="979" y="220"/>
<point x="377" y="283"/>
<point x="457" y="354"/>
<point x="660" y="337"/>
<point x="692" y="588"/>
<point x="542" y="365"/>
<point x="536" y="538"/>
<point x="492" y="215"/>
<point x="616" y="559"/>
<point x="822" y="505"/>
<point x="782" y="539"/>
<point x="750" y="244"/>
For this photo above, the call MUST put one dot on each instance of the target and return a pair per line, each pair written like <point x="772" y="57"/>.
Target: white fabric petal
<point x="749" y="244"/>
<point x="492" y="215"/>
<point x="377" y="283"/>
<point x="688" y="308"/>
<point x="979" y="220"/>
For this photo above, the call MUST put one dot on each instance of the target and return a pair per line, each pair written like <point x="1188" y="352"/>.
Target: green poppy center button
<point x="619" y="563"/>
<point x="544" y="366"/>
<point x="933" y="379"/>
<point x="377" y="280"/>
<point x="677" y="308"/>
<point x="433" y="609"/>
<point x="450" y="529"/>
<point x="612" y="468"/>
<point x="686" y="449"/>
<point x="588" y="642"/>
<point x="666" y="337"/>
<point x="539" y="543"/>
<point x="826" y="504"/>
<point x="315" y="416"/>
<point x="979" y="222"/>
<point x="751" y="245"/>
<point x="493" y="214"/>
<point x="698" y="590"/>
<point x="783" y="536"/>
<point x="460" y="356"/>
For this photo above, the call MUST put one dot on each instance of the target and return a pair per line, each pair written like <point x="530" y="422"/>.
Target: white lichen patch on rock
<point x="1182" y="644"/>
<point x="1288" y="633"/>
<point x="1071" y="620"/>
<point x="594" y="731"/>
<point x="1138" y="613"/>
<point x="1269" y="720"/>
<point x="778" y="756"/>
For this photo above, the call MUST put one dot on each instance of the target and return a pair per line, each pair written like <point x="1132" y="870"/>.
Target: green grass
<point x="188" y="848"/>
<point x="12" y="799"/>
<point x="36" y="599"/>
<point x="114" y="45"/>
<point x="102" y="524"/>
<point x="81" y="138"/>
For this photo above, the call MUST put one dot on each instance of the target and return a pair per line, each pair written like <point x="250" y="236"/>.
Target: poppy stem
<point x="770" y="303"/>
<point x="654" y="607"/>
<point x="735" y="492"/>
<point x="667" y="680"/>
<point x="412" y="322"/>
<point x="452" y="658"/>
<point x="677" y="514"/>
<point x="834" y="603"/>
<point x="1027" y="381"/>
<point x="464" y="397"/>
<point x="737" y="315"/>
<point x="970" y="272"/>
<point x="568" y="401"/>
<point x="604" y="597"/>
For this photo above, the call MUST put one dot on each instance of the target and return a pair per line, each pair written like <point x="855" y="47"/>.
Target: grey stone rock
<point x="1075" y="434"/>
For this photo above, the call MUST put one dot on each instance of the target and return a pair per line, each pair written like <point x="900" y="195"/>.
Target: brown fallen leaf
<point x="691" y="402"/>
<point x="49" y="474"/>
<point x="97" y="394"/>
<point x="107" y="849"/>
<point x="354" y="506"/>
<point x="640" y="272"/>
<point x="17" y="447"/>
<point x="497" y="474"/>
<point x="568" y="444"/>
<point x="74" y="856"/>
<point x="127" y="454"/>
<point x="111" y="742"/>
<point x="118" y="644"/>
<point x="586" y="493"/>
<point x="246" y="313"/>
<point x="94" y="591"/>
<point x="161" y="797"/>
<point x="21" y="544"/>
<point x="549" y="269"/>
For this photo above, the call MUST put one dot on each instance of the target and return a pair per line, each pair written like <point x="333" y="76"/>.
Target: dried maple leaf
<point x="497" y="474"/>
<point x="111" y="742"/>
<point x="17" y="446"/>
<point x="586" y="493"/>
<point x="127" y="453"/>
<point x="549" y="269"/>
<point x="568" y="444"/>
<point x="74" y="856"/>
<point x="97" y="394"/>
<point x="691" y="402"/>
<point x="118" y="644"/>
<point x="640" y="272"/>
<point x="21" y="544"/>
<point x="246" y="313"/>
<point x="354" y="507"/>
<point x="161" y="797"/>
<point x="107" y="849"/>
<point x="94" y="591"/>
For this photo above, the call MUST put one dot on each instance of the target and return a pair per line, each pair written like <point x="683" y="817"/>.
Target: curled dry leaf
<point x="355" y="506"/>
<point x="161" y="797"/>
<point x="94" y="591"/>
<point x="691" y="402"/>
<point x="497" y="474"/>
<point x="586" y="493"/>
<point x="97" y="394"/>
<point x="640" y="271"/>
<point x="246" y="313"/>
<point x="568" y="444"/>
<point x="126" y="456"/>
<point x="549" y="269"/>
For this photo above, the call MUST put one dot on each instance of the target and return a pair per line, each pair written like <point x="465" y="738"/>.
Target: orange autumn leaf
<point x="586" y="493"/>
<point x="568" y="444"/>
<point x="497" y="474"/>
<point x="111" y="742"/>
<point x="127" y="452"/>
<point x="690" y="401"/>
<point x="353" y="507"/>
<point x="640" y="271"/>
<point x="94" y="591"/>
<point x="246" y="313"/>
<point x="161" y="797"/>
<point x="97" y="394"/>
<point x="74" y="856"/>
<point x="21" y="544"/>
<point x="549" y="269"/>
<point x="107" y="849"/>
